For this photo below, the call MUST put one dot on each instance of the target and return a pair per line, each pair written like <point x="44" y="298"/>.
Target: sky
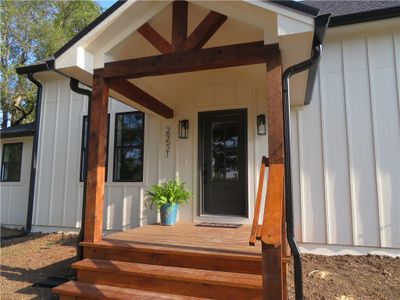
<point x="105" y="3"/>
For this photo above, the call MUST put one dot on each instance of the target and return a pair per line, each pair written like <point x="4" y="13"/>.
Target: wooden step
<point x="81" y="290"/>
<point x="186" y="257"/>
<point x="167" y="279"/>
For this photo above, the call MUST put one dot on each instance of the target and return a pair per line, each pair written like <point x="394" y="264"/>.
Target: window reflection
<point x="225" y="142"/>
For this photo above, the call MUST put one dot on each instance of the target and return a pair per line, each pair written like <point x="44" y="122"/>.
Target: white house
<point x="345" y="135"/>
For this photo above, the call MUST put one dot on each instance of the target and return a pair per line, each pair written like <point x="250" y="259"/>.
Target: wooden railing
<point x="272" y="232"/>
<point x="256" y="228"/>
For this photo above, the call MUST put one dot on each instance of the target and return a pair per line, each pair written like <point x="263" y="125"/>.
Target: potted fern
<point x="167" y="196"/>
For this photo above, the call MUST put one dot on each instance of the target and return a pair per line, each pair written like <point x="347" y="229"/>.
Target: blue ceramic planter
<point x="169" y="213"/>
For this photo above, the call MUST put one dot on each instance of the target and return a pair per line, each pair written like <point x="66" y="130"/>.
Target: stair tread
<point x="100" y="291"/>
<point x="181" y="249"/>
<point x="172" y="273"/>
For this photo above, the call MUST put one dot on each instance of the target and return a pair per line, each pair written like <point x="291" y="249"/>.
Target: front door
<point x="223" y="162"/>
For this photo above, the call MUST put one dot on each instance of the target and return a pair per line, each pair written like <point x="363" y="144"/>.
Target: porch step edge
<point x="246" y="256"/>
<point x="103" y="292"/>
<point x="218" y="278"/>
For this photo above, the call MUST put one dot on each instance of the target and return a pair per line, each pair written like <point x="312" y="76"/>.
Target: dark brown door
<point x="223" y="162"/>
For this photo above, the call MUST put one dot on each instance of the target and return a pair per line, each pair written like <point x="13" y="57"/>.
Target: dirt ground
<point x="31" y="259"/>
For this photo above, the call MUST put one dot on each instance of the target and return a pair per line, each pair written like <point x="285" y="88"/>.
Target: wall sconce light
<point x="183" y="129"/>
<point x="261" y="127"/>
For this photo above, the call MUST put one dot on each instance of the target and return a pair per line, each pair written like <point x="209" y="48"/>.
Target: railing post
<point x="273" y="243"/>
<point x="96" y="158"/>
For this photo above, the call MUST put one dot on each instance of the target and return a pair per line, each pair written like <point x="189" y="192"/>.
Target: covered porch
<point x="246" y="62"/>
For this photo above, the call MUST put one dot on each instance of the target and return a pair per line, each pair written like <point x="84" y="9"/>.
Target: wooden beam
<point x="195" y="60"/>
<point x="156" y="39"/>
<point x="96" y="159"/>
<point x="139" y="96"/>
<point x="204" y="31"/>
<point x="179" y="24"/>
<point x="273" y="282"/>
<point x="275" y="109"/>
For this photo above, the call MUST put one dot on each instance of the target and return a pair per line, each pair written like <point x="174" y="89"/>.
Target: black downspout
<point x="322" y="23"/>
<point x="32" y="181"/>
<point x="74" y="84"/>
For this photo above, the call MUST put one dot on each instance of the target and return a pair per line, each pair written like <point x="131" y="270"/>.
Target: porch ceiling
<point x="118" y="38"/>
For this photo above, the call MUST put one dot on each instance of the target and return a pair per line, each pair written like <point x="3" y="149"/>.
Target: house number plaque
<point x="167" y="141"/>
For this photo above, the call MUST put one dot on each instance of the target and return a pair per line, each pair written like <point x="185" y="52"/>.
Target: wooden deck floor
<point x="189" y="238"/>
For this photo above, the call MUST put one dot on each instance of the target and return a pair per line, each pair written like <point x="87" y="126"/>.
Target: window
<point x="82" y="172"/>
<point x="128" y="146"/>
<point x="11" y="162"/>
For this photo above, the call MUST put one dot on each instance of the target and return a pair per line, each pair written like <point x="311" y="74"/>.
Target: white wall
<point x="191" y="93"/>
<point x="346" y="146"/>
<point x="14" y="195"/>
<point x="58" y="195"/>
<point x="346" y="171"/>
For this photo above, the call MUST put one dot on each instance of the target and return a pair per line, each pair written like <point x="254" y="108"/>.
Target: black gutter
<point x="319" y="35"/>
<point x="18" y="131"/>
<point x="32" y="181"/>
<point x="74" y="85"/>
<point x="298" y="6"/>
<point x="367" y="16"/>
<point x="321" y="24"/>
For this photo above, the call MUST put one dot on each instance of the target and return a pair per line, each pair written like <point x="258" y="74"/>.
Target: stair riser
<point x="167" y="285"/>
<point x="198" y="261"/>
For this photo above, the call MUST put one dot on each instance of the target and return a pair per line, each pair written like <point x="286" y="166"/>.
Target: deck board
<point x="188" y="237"/>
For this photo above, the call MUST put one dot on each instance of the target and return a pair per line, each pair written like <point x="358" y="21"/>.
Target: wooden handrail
<point x="271" y="234"/>
<point x="255" y="232"/>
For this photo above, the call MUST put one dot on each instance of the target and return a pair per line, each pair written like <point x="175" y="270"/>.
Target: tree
<point x="32" y="31"/>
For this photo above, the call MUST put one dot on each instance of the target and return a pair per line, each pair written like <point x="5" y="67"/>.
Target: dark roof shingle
<point x="351" y="12"/>
<point x="340" y="8"/>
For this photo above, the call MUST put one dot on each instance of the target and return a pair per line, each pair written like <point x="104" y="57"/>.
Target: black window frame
<point x="21" y="147"/>
<point x="83" y="167"/>
<point x="116" y="147"/>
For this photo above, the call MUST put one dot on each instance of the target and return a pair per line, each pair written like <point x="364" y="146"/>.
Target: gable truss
<point x="180" y="42"/>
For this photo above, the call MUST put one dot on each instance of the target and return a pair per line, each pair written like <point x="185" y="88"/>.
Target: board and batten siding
<point x="14" y="195"/>
<point x="58" y="195"/>
<point x="346" y="145"/>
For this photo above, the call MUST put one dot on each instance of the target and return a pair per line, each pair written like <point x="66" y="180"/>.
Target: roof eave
<point x="298" y="6"/>
<point x="367" y="16"/>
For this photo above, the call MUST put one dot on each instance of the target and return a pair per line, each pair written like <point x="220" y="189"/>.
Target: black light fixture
<point x="183" y="129"/>
<point x="261" y="127"/>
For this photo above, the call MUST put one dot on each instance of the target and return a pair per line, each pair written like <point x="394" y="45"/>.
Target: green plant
<point x="172" y="191"/>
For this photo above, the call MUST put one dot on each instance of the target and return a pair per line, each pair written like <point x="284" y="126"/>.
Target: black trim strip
<point x="38" y="67"/>
<point x="21" y="133"/>
<point x="89" y="28"/>
<point x="301" y="7"/>
<point x="367" y="16"/>
<point x="74" y="85"/>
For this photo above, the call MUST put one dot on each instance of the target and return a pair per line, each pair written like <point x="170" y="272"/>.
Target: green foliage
<point x="169" y="192"/>
<point x="32" y="31"/>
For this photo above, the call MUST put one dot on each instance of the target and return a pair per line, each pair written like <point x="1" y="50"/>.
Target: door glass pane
<point x="217" y="150"/>
<point x="225" y="145"/>
<point x="231" y="150"/>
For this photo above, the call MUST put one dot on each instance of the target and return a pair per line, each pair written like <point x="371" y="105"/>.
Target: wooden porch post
<point x="96" y="160"/>
<point x="273" y="271"/>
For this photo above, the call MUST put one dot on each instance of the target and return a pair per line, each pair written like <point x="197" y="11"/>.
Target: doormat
<point x="218" y="225"/>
